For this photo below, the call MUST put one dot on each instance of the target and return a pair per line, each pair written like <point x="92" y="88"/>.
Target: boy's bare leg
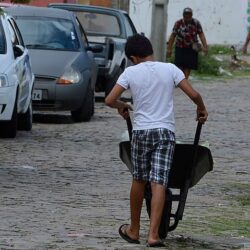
<point x="157" y="204"/>
<point x="136" y="201"/>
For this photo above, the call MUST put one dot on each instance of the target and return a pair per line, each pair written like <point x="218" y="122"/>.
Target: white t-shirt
<point x="152" y="85"/>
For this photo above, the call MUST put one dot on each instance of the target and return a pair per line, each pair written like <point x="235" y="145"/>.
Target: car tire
<point x="112" y="81"/>
<point x="8" y="129"/>
<point x="84" y="113"/>
<point x="25" y="120"/>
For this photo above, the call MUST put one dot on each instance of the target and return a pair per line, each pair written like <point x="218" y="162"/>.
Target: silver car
<point x="16" y="80"/>
<point x="62" y="60"/>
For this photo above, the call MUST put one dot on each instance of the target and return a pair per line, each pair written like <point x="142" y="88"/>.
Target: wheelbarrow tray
<point x="183" y="166"/>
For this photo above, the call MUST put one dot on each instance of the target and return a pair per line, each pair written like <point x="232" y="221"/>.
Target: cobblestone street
<point x="63" y="185"/>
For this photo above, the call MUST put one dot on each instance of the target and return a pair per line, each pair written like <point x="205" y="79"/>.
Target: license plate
<point x="37" y="95"/>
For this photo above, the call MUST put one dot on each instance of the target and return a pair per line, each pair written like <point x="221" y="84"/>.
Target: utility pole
<point x="159" y="28"/>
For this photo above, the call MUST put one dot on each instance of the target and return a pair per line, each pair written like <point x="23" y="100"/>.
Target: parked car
<point x="62" y="60"/>
<point x="109" y="28"/>
<point x="16" y="80"/>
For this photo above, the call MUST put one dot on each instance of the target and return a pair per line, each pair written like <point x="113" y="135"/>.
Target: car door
<point x="22" y="67"/>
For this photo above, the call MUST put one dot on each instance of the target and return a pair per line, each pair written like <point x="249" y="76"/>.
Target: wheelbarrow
<point x="190" y="163"/>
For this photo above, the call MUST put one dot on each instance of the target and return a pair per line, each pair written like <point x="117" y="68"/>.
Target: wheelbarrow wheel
<point x="166" y="214"/>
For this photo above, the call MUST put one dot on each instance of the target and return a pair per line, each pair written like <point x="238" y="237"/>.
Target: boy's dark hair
<point x="138" y="45"/>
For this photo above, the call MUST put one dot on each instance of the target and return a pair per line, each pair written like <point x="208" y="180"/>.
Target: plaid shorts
<point x="152" y="154"/>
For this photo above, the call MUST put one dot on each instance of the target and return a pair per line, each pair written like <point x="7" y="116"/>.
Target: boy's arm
<point x="186" y="87"/>
<point x="112" y="101"/>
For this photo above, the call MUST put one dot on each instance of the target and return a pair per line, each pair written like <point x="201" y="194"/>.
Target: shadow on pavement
<point x="52" y="118"/>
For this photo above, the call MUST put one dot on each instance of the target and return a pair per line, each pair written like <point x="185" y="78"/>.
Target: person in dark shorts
<point x="184" y="35"/>
<point x="153" y="139"/>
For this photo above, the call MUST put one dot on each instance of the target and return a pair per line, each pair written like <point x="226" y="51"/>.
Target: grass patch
<point x="239" y="192"/>
<point x="218" y="64"/>
<point x="208" y="65"/>
<point x="220" y="49"/>
<point x="244" y="200"/>
<point x="230" y="218"/>
<point x="229" y="225"/>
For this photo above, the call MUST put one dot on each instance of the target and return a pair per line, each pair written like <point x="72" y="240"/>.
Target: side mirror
<point x="95" y="48"/>
<point x="18" y="50"/>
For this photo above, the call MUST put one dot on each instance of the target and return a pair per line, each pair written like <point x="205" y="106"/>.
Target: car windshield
<point x="99" y="24"/>
<point x="2" y="40"/>
<point x="48" y="33"/>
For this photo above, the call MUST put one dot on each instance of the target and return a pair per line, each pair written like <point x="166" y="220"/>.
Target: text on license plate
<point x="37" y="95"/>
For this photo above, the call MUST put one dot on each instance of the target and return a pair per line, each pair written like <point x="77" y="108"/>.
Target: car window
<point x="83" y="34"/>
<point x="17" y="38"/>
<point x="2" y="40"/>
<point x="130" y="29"/>
<point x="13" y="36"/>
<point x="97" y="23"/>
<point x="48" y="33"/>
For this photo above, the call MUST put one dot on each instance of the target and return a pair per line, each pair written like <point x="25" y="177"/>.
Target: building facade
<point x="224" y="21"/>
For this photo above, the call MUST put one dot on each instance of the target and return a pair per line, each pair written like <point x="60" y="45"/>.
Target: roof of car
<point x="88" y="7"/>
<point x="38" y="11"/>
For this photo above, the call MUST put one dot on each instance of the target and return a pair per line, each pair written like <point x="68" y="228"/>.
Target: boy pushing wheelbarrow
<point x="153" y="138"/>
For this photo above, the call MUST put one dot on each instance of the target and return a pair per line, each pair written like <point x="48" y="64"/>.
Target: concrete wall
<point x="223" y="21"/>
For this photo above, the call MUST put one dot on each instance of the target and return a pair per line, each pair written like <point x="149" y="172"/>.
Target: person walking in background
<point x="184" y="36"/>
<point x="153" y="139"/>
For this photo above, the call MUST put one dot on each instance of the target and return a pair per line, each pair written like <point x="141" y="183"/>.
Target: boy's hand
<point x="202" y="115"/>
<point x="124" y="110"/>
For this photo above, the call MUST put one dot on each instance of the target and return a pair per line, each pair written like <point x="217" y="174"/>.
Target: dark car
<point x="109" y="28"/>
<point x="62" y="60"/>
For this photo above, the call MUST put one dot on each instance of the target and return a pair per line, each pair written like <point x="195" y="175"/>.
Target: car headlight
<point x="3" y="81"/>
<point x="70" y="76"/>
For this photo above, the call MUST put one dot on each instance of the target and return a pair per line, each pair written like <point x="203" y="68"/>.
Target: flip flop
<point x="156" y="244"/>
<point x="125" y="236"/>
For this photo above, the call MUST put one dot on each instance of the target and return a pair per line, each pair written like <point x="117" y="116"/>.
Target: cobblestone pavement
<point x="63" y="186"/>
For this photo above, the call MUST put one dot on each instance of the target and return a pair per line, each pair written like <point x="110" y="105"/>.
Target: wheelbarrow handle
<point x="130" y="128"/>
<point x="129" y="125"/>
<point x="197" y="133"/>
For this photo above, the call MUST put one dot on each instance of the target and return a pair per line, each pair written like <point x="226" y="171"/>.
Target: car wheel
<point x="84" y="113"/>
<point x="8" y="129"/>
<point x="112" y="81"/>
<point x="25" y="120"/>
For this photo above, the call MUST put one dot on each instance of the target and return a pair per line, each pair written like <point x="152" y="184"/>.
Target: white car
<point x="16" y="80"/>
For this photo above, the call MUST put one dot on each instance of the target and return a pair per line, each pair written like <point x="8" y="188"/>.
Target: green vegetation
<point x="229" y="218"/>
<point x="220" y="63"/>
<point x="239" y="192"/>
<point x="208" y="65"/>
<point x="220" y="49"/>
<point x="244" y="199"/>
<point x="231" y="226"/>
